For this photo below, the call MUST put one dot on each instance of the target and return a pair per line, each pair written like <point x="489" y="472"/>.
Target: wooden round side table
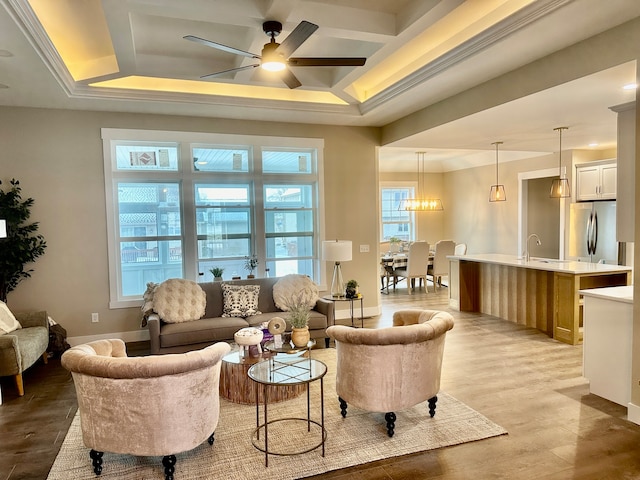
<point x="236" y="386"/>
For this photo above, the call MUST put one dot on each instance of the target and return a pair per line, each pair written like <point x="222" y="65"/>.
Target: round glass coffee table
<point x="274" y="375"/>
<point x="236" y="386"/>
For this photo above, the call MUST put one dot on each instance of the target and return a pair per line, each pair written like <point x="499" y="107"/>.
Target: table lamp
<point x="336" y="251"/>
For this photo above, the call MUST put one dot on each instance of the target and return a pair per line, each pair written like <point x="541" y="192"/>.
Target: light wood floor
<point x="516" y="376"/>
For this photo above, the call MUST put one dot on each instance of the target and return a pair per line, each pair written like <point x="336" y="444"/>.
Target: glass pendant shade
<point x="497" y="193"/>
<point x="560" y="186"/>
<point x="421" y="203"/>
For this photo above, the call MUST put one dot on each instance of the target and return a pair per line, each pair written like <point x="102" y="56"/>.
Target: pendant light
<point x="421" y="203"/>
<point x="560" y="186"/>
<point x="497" y="191"/>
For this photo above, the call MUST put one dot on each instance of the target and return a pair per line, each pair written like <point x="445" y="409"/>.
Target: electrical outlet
<point x="95" y="318"/>
<point x="364" y="248"/>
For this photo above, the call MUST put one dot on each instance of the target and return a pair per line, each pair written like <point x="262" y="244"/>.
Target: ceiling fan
<point x="275" y="56"/>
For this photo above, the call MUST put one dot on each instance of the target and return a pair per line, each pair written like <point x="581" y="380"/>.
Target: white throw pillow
<point x="8" y="322"/>
<point x="295" y="288"/>
<point x="240" y="300"/>
<point x="177" y="300"/>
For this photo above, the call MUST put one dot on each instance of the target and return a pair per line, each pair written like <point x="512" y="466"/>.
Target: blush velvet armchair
<point x="146" y="406"/>
<point x="391" y="369"/>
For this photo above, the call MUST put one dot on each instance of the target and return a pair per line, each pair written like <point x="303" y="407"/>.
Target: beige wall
<point x="57" y="157"/>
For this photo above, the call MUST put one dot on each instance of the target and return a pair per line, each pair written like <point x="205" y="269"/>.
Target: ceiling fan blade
<point x="290" y="79"/>
<point x="238" y="69"/>
<point x="220" y="46"/>
<point x="296" y="38"/>
<point x="327" y="62"/>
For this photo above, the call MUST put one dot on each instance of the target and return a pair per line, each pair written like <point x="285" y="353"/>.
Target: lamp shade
<point x="3" y="229"/>
<point x="336" y="250"/>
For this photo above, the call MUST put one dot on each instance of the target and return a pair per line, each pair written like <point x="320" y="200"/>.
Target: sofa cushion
<point x="8" y="322"/>
<point x="200" y="331"/>
<point x="293" y="289"/>
<point x="240" y="300"/>
<point x="177" y="300"/>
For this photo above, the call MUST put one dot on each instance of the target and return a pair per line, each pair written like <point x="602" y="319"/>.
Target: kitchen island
<point x="538" y="293"/>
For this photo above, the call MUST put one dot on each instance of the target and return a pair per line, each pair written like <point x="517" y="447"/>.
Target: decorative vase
<point x="300" y="336"/>
<point x="217" y="279"/>
<point x="251" y="276"/>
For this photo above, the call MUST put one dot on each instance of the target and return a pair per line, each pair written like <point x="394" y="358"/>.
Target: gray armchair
<point x="391" y="369"/>
<point x="23" y="347"/>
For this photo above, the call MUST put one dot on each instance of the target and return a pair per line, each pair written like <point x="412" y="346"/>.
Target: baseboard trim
<point x="132" y="336"/>
<point x="633" y="413"/>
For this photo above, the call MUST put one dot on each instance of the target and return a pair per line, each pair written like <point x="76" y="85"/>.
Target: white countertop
<point x="550" y="265"/>
<point x="622" y="294"/>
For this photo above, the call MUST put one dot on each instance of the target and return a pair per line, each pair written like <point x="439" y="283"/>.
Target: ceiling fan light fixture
<point x="271" y="60"/>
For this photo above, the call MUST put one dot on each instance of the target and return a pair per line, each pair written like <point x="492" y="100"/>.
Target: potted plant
<point x="351" y="290"/>
<point x="299" y="319"/>
<point x="22" y="245"/>
<point x="217" y="273"/>
<point x="394" y="244"/>
<point x="250" y="264"/>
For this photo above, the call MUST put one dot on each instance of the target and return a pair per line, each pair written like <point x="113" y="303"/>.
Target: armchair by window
<point x="394" y="368"/>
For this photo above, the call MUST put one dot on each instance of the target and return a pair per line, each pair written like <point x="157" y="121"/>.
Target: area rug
<point x="357" y="439"/>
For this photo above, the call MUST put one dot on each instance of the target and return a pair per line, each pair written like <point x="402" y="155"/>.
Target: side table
<point x="302" y="371"/>
<point x="351" y="301"/>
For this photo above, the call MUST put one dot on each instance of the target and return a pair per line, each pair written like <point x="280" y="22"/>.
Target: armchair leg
<point x="390" y="417"/>
<point x="169" y="462"/>
<point x="19" y="384"/>
<point x="326" y="342"/>
<point x="97" y="461"/>
<point x="45" y="357"/>
<point x="343" y="407"/>
<point x="211" y="439"/>
<point x="432" y="406"/>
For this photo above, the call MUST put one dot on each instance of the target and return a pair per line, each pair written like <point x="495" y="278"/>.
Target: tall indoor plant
<point x="22" y="245"/>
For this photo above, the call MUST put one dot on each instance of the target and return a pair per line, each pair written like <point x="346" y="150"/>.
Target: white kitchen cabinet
<point x="607" y="347"/>
<point x="596" y="181"/>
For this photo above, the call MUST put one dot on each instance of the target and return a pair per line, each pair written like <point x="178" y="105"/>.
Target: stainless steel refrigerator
<point x="592" y="232"/>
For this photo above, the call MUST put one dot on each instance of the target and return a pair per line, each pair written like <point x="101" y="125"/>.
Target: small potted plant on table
<point x="351" y="290"/>
<point x="299" y="319"/>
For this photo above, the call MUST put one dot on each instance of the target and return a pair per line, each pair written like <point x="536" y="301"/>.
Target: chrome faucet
<point x="526" y="253"/>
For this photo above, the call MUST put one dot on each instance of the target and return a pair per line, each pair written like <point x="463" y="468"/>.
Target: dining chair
<point x="461" y="249"/>
<point x="417" y="262"/>
<point x="440" y="266"/>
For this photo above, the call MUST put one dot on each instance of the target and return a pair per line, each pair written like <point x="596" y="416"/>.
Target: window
<point x="179" y="208"/>
<point x="394" y="222"/>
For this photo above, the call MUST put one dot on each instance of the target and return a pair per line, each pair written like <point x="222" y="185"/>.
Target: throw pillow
<point x="177" y="300"/>
<point x="293" y="289"/>
<point x="240" y="300"/>
<point x="8" y="322"/>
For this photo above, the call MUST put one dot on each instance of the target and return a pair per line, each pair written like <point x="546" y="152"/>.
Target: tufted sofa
<point x="213" y="327"/>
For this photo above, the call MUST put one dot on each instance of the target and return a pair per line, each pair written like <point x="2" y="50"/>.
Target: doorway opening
<point x="537" y="213"/>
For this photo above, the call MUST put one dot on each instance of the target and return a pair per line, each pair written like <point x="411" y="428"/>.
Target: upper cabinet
<point x="596" y="181"/>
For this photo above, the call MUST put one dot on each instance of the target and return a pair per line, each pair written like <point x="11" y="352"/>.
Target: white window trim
<point x="185" y="140"/>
